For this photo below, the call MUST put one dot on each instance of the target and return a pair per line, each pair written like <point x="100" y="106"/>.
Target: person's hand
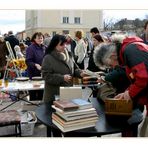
<point x="119" y="96"/>
<point x="83" y="73"/>
<point x="38" y="66"/>
<point x="101" y="79"/>
<point x="124" y="95"/>
<point x="67" y="78"/>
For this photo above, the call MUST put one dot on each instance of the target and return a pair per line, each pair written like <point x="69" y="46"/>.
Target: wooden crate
<point x="118" y="107"/>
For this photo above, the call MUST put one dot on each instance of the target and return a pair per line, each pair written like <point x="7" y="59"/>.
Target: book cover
<point x="82" y="103"/>
<point x="65" y="105"/>
<point x="91" y="73"/>
<point x="68" y="93"/>
<point x="76" y="117"/>
<point x="75" y="112"/>
<point x="90" y="78"/>
<point x="90" y="82"/>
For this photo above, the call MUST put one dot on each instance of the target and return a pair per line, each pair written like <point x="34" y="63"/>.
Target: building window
<point x="77" y="20"/>
<point x="65" y="20"/>
<point x="65" y="31"/>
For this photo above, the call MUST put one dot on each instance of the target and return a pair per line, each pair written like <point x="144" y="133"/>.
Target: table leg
<point x="56" y="132"/>
<point x="53" y="132"/>
<point x="48" y="131"/>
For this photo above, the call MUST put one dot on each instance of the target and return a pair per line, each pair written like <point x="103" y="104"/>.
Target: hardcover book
<point x="75" y="117"/>
<point x="75" y="112"/>
<point x="65" y="105"/>
<point x="74" y="127"/>
<point x="73" y="122"/>
<point x="82" y="103"/>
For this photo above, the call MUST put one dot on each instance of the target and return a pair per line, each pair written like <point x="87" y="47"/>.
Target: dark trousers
<point x="128" y="130"/>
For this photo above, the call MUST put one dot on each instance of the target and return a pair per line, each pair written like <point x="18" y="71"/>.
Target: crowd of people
<point x="122" y="59"/>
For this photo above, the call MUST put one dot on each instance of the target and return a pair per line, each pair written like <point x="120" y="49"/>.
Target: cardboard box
<point x="118" y="107"/>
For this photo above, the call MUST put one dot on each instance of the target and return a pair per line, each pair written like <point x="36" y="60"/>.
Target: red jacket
<point x="134" y="55"/>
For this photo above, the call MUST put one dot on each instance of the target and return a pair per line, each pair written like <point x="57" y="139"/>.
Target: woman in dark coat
<point x="57" y="68"/>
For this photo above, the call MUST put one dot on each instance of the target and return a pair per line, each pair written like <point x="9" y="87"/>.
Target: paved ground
<point x="39" y="129"/>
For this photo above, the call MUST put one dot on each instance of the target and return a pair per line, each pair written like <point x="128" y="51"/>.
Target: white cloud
<point x="9" y="16"/>
<point x="15" y="14"/>
<point x="129" y="14"/>
<point x="77" y="4"/>
<point x="12" y="20"/>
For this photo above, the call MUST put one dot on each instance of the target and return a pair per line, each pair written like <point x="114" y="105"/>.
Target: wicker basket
<point x="118" y="107"/>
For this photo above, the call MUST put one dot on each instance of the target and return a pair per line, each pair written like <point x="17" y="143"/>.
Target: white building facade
<point x="62" y="21"/>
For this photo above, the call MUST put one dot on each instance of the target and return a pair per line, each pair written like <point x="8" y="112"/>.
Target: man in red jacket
<point x="132" y="53"/>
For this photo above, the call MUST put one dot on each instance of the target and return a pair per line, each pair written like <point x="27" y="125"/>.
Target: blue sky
<point x="15" y="19"/>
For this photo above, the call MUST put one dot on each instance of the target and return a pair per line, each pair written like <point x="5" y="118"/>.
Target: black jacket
<point x="13" y="41"/>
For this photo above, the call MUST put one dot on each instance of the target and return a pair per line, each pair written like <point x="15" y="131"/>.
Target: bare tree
<point x="108" y="24"/>
<point x="146" y="16"/>
<point x="137" y="23"/>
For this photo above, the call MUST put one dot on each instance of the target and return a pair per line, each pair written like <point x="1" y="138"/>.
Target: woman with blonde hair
<point x="80" y="49"/>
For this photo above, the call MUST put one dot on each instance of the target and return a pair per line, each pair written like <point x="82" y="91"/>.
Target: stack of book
<point x="90" y="80"/>
<point x="73" y="114"/>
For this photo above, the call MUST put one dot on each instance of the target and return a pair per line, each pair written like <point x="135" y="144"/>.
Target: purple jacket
<point x="34" y="55"/>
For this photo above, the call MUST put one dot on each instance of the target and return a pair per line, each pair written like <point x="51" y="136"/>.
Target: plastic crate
<point x="118" y="107"/>
<point x="27" y="127"/>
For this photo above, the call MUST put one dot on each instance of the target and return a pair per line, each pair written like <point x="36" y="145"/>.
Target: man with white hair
<point x="18" y="52"/>
<point x="132" y="53"/>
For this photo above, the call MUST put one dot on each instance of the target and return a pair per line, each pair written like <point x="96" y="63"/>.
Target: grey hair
<point x="118" y="38"/>
<point x="103" y="53"/>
